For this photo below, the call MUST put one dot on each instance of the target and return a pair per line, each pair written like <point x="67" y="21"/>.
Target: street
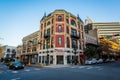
<point x="105" y="71"/>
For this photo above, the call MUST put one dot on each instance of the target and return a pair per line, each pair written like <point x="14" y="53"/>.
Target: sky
<point x="19" y="18"/>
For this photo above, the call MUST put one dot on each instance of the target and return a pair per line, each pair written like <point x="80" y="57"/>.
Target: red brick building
<point x="61" y="38"/>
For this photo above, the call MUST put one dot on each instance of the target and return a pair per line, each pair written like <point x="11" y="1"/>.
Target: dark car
<point x="16" y="65"/>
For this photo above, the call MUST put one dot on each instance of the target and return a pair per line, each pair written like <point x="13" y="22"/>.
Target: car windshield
<point x="17" y="63"/>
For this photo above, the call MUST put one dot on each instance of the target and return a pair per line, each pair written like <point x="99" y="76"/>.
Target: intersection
<point x="105" y="71"/>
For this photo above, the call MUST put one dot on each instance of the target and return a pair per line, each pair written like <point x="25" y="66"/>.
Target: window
<point x="8" y="50"/>
<point x="52" y="42"/>
<point x="59" y="40"/>
<point x="67" y="30"/>
<point x="67" y="21"/>
<point x="34" y="49"/>
<point x="44" y="44"/>
<point x="41" y="34"/>
<point x="13" y="51"/>
<point x="59" y="28"/>
<point x="59" y="18"/>
<point x="41" y="26"/>
<point x="44" y="24"/>
<point x="74" y="43"/>
<point x="68" y="42"/>
<point x="73" y="23"/>
<point x="48" y="31"/>
<point x="48" y="23"/>
<point x="47" y="43"/>
<point x="52" y="21"/>
<point x="74" y="32"/>
<point x="52" y="30"/>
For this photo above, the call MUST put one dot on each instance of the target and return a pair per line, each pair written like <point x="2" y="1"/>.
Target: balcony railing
<point x="46" y="35"/>
<point x="75" y="36"/>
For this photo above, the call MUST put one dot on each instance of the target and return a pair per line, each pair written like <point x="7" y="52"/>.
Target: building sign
<point x="58" y="50"/>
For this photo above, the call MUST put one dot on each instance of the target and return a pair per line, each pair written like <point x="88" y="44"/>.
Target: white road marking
<point x="89" y="67"/>
<point x="81" y="67"/>
<point x="14" y="71"/>
<point x="36" y="69"/>
<point x="72" y="67"/>
<point x="16" y="79"/>
<point x="27" y="70"/>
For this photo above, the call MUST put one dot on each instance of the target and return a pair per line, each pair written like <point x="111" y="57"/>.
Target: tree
<point x="109" y="46"/>
<point x="90" y="51"/>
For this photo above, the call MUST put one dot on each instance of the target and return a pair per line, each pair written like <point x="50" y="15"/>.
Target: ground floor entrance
<point x="29" y="58"/>
<point x="60" y="59"/>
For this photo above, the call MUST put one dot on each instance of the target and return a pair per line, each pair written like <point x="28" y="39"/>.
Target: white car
<point x="91" y="61"/>
<point x="112" y="59"/>
<point x="100" y="60"/>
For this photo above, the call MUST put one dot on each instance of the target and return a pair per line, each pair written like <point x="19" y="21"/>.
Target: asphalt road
<point x="106" y="71"/>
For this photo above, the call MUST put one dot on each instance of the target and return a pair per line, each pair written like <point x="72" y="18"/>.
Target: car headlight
<point x="16" y="66"/>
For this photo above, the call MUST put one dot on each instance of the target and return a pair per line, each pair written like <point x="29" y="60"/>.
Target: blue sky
<point x="19" y="18"/>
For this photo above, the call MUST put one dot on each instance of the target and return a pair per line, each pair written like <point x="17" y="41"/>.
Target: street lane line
<point x="27" y="70"/>
<point x="73" y="67"/>
<point x="36" y="69"/>
<point x="14" y="71"/>
<point x="16" y="79"/>
<point x="89" y="68"/>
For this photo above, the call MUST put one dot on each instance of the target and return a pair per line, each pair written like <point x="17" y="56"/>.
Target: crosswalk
<point x="81" y="67"/>
<point x="99" y="68"/>
<point x="17" y="71"/>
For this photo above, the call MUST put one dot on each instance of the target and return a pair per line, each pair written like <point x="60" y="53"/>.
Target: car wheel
<point x="13" y="68"/>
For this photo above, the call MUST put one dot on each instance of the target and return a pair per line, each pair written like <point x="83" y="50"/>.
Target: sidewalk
<point x="51" y="65"/>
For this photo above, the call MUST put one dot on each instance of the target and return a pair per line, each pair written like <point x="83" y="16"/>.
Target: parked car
<point x="91" y="61"/>
<point x="112" y="60"/>
<point x="100" y="60"/>
<point x="16" y="65"/>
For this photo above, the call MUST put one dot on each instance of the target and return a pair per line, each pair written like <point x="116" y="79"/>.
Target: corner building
<point x="61" y="38"/>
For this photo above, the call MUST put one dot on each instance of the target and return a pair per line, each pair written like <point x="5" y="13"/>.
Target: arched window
<point x="44" y="24"/>
<point x="59" y="40"/>
<point x="67" y="21"/>
<point x="52" y="21"/>
<point x="74" y="43"/>
<point x="48" y="23"/>
<point x="74" y="32"/>
<point x="68" y="43"/>
<point x="59" y="28"/>
<point x="41" y="26"/>
<point x="59" y="18"/>
<point x="52" y="42"/>
<point x="67" y="30"/>
<point x="73" y="23"/>
<point x="52" y="30"/>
